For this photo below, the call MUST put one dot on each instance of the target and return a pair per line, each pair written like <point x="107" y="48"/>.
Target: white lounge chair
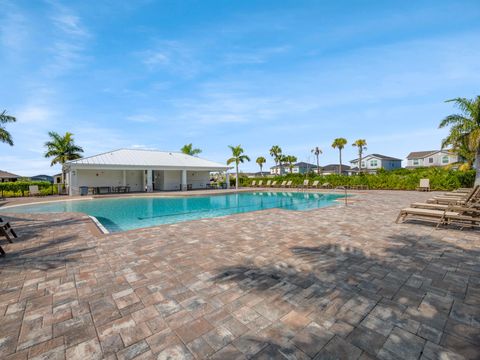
<point x="424" y="185"/>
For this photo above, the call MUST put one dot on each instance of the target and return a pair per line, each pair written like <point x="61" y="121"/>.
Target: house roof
<point x="7" y="175"/>
<point x="334" y="167"/>
<point x="298" y="164"/>
<point x="424" y="154"/>
<point x="377" y="156"/>
<point x="146" y="158"/>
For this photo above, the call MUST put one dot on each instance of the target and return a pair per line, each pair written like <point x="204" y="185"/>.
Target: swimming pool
<point x="122" y="214"/>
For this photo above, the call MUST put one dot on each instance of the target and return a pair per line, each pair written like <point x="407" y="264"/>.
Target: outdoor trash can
<point x="83" y="190"/>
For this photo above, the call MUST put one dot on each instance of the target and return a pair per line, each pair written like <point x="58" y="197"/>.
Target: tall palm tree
<point x="465" y="128"/>
<point x="361" y="144"/>
<point x="339" y="143"/>
<point x="190" y="150"/>
<point x="276" y="153"/>
<point x="62" y="149"/>
<point x="238" y="157"/>
<point x="260" y="161"/>
<point x="5" y="136"/>
<point x="290" y="160"/>
<point x="316" y="151"/>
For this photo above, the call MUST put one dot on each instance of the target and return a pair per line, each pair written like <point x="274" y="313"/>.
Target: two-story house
<point x="373" y="162"/>
<point x="298" y="168"/>
<point x="334" y="169"/>
<point x="432" y="158"/>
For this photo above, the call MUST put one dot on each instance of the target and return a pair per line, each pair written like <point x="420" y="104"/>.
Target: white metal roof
<point x="148" y="159"/>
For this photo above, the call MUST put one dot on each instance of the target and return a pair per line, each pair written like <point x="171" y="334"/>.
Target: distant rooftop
<point x="8" y="175"/>
<point x="424" y="154"/>
<point x="378" y="156"/>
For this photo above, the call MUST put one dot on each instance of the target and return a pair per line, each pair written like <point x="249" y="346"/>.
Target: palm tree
<point x="237" y="158"/>
<point x="62" y="149"/>
<point x="361" y="144"/>
<point x="276" y="153"/>
<point x="290" y="160"/>
<point x="316" y="151"/>
<point x="339" y="143"/>
<point x="465" y="128"/>
<point x="189" y="150"/>
<point x="260" y="161"/>
<point x="5" y="136"/>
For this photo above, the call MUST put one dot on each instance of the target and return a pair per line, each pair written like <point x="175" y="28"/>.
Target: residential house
<point x="298" y="168"/>
<point x="432" y="158"/>
<point x="140" y="170"/>
<point x="5" y="176"/>
<point x="373" y="162"/>
<point x="334" y="169"/>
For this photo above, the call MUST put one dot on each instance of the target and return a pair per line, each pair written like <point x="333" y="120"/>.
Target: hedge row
<point x="21" y="188"/>
<point x="401" y="179"/>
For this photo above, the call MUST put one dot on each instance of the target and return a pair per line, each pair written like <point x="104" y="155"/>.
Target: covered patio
<point x="131" y="170"/>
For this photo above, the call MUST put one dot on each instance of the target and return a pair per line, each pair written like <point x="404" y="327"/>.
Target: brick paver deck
<point x="333" y="283"/>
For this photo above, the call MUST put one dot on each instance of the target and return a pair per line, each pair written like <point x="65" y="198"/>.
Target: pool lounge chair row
<point x="288" y="184"/>
<point x="7" y="232"/>
<point x="459" y="208"/>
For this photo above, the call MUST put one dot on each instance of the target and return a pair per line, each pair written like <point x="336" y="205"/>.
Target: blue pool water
<point x="138" y="212"/>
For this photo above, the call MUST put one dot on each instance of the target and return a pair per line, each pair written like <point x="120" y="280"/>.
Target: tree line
<point x="463" y="138"/>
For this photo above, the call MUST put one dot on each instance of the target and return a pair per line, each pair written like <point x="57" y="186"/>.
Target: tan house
<point x="432" y="158"/>
<point x="5" y="176"/>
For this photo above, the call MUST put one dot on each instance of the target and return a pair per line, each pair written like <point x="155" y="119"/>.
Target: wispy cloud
<point x="255" y="56"/>
<point x="69" y="41"/>
<point x="13" y="31"/>
<point x="172" y="56"/>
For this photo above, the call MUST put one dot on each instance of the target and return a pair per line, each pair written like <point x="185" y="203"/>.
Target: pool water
<point x="137" y="212"/>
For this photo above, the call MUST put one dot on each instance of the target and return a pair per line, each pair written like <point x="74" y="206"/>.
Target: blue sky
<point x="159" y="74"/>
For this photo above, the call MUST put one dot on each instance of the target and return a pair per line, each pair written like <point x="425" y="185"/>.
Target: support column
<point x="184" y="180"/>
<point x="149" y="181"/>
<point x="227" y="179"/>
<point x="124" y="174"/>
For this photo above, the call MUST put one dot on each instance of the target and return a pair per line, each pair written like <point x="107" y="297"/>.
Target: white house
<point x="432" y="158"/>
<point x="298" y="168"/>
<point x="139" y="170"/>
<point x="373" y="162"/>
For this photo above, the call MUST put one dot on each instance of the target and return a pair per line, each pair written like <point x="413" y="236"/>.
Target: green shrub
<point x="20" y="188"/>
<point x="400" y="179"/>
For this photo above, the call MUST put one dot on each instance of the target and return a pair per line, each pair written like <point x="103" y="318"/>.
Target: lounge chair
<point x="424" y="185"/>
<point x="462" y="199"/>
<point x="260" y="183"/>
<point x="33" y="190"/>
<point x="304" y="185"/>
<point x="7" y="232"/>
<point x="326" y="186"/>
<point x="274" y="183"/>
<point x="269" y="183"/>
<point x="283" y="184"/>
<point x="254" y="182"/>
<point x="460" y="215"/>
<point x="314" y="185"/>
<point x="289" y="184"/>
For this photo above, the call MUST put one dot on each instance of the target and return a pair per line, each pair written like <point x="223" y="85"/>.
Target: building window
<point x="363" y="164"/>
<point x="430" y="160"/>
<point x="416" y="162"/>
<point x="445" y="159"/>
<point x="373" y="163"/>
